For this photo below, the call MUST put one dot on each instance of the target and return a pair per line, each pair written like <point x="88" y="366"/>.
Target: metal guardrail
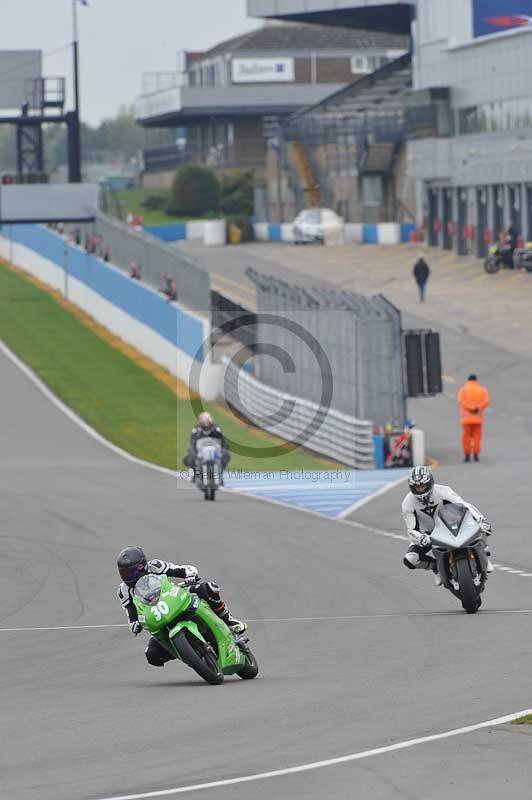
<point x="324" y="431"/>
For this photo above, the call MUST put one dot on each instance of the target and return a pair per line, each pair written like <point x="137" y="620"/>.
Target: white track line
<point x="34" y="378"/>
<point x="330" y="762"/>
<point x="346" y="617"/>
<point x="359" y="503"/>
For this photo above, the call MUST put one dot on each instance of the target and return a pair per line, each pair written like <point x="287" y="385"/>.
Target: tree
<point x="195" y="192"/>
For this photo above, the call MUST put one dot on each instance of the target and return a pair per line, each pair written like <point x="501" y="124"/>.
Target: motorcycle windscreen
<point x="148" y="589"/>
<point x="452" y="515"/>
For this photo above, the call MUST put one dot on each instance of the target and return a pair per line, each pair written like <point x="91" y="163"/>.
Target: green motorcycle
<point x="189" y="630"/>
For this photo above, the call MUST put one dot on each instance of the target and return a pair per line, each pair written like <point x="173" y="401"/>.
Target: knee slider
<point x="411" y="560"/>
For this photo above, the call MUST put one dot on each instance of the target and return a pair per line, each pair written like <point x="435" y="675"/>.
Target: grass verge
<point x="126" y="401"/>
<point x="132" y="200"/>
<point x="523" y="720"/>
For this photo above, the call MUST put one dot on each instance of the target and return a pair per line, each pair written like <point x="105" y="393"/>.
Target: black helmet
<point x="132" y="564"/>
<point x="421" y="482"/>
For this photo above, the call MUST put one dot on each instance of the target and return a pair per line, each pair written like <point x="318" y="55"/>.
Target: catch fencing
<point x="332" y="347"/>
<point x="156" y="259"/>
<point x="325" y="431"/>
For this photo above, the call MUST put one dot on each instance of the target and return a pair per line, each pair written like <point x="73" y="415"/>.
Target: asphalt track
<point x="84" y="717"/>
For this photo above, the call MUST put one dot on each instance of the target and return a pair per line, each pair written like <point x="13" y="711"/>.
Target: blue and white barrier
<point x="209" y="231"/>
<point x="169" y="334"/>
<point x="357" y="233"/>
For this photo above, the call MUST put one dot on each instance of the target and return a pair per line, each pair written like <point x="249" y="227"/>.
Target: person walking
<point x="421" y="275"/>
<point x="473" y="399"/>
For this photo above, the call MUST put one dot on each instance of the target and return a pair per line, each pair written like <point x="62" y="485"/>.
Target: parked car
<point x="318" y="225"/>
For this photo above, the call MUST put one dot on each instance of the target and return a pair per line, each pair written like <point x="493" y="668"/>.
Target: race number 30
<point x="160" y="610"/>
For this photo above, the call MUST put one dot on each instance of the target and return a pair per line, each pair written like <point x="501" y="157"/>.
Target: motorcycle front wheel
<point x="492" y="265"/>
<point x="468" y="591"/>
<point x="197" y="655"/>
<point x="251" y="669"/>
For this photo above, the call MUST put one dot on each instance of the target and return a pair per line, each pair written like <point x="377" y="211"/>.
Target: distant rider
<point x="420" y="508"/>
<point x="205" y="428"/>
<point x="132" y="565"/>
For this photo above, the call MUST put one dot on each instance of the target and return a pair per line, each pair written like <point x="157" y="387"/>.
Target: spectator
<point x="169" y="289"/>
<point x="512" y="235"/>
<point x="129" y="218"/>
<point x="473" y="400"/>
<point x="106" y="254"/>
<point x="421" y="275"/>
<point x="77" y="236"/>
<point x="135" y="271"/>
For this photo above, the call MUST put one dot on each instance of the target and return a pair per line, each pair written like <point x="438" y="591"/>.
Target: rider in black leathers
<point x="133" y="564"/>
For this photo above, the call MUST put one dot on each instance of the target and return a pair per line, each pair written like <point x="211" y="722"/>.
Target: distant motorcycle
<point x="459" y="547"/>
<point x="208" y="467"/>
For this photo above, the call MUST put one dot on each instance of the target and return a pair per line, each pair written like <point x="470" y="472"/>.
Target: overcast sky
<point x="119" y="40"/>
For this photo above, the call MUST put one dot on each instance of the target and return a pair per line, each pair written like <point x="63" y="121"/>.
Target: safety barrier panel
<point x="381" y="233"/>
<point x="331" y="433"/>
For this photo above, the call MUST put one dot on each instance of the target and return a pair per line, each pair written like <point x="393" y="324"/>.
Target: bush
<point x="195" y="191"/>
<point x="237" y="193"/>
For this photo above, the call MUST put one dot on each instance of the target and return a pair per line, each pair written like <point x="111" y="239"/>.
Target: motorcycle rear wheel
<point x="468" y="591"/>
<point x="210" y="494"/>
<point x="492" y="265"/>
<point x="196" y="654"/>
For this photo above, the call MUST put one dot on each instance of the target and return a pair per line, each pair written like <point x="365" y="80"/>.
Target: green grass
<point x="523" y="720"/>
<point x="128" y="405"/>
<point x="131" y="200"/>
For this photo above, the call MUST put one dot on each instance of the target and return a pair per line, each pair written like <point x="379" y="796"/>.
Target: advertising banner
<point x="494" y="16"/>
<point x="263" y="70"/>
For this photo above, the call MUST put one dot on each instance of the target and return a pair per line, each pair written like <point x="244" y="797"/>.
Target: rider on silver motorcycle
<point x="420" y="508"/>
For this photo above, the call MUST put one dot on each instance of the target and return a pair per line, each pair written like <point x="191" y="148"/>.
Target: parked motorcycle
<point x="459" y="547"/>
<point x="190" y="631"/>
<point x="499" y="257"/>
<point x="208" y="467"/>
<point x="513" y="258"/>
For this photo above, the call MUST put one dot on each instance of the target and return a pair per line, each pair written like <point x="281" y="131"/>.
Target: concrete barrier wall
<point x="169" y="334"/>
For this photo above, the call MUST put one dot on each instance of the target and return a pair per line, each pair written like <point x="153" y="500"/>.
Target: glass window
<point x="372" y="190"/>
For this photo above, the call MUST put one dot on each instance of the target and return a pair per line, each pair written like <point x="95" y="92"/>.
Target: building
<point x="468" y="117"/>
<point x="225" y="97"/>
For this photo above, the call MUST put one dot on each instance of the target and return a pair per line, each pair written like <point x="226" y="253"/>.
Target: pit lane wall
<point x="168" y="333"/>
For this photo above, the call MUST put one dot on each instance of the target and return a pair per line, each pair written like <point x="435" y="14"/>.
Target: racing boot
<point x="236" y="625"/>
<point x="437" y="580"/>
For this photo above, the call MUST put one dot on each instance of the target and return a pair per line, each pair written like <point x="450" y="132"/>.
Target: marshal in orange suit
<point x="473" y="400"/>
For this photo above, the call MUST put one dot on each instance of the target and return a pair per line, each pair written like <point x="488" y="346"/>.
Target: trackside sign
<point x="494" y="16"/>
<point x="263" y="70"/>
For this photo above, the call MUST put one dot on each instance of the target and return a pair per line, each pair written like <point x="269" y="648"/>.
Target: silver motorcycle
<point x="208" y="466"/>
<point x="459" y="548"/>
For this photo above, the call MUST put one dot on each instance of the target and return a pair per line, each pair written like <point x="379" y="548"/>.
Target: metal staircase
<point x="300" y="162"/>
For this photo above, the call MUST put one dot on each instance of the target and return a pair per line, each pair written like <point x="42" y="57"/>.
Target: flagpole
<point x="75" y="171"/>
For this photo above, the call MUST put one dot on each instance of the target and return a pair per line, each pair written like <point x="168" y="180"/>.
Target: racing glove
<point x="485" y="527"/>
<point x="421" y="539"/>
<point x="135" y="627"/>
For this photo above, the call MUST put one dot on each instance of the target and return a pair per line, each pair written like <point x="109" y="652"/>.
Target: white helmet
<point x="205" y="421"/>
<point x="421" y="482"/>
